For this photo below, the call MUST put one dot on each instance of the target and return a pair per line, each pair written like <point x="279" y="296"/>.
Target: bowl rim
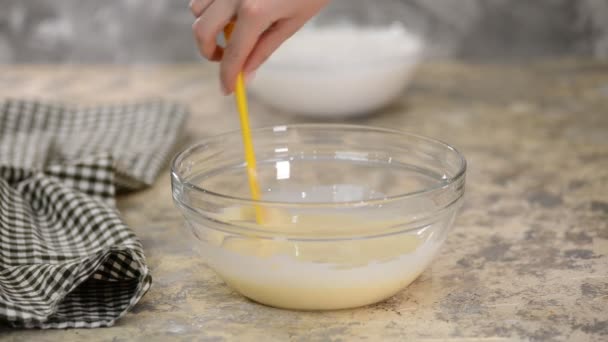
<point x="404" y="60"/>
<point x="445" y="183"/>
<point x="408" y="57"/>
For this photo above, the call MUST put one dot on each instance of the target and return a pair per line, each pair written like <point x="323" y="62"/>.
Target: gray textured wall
<point x="126" y="31"/>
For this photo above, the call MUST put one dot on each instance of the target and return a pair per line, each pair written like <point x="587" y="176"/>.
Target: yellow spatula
<point x="240" y="94"/>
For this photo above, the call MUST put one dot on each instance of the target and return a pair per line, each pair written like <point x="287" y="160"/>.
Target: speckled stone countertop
<point x="527" y="259"/>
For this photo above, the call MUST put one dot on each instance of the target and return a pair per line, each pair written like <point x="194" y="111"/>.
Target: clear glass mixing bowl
<point x="352" y="214"/>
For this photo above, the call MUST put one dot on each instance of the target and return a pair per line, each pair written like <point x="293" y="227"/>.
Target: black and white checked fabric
<point x="66" y="257"/>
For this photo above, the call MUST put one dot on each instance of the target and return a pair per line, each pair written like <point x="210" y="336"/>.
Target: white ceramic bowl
<point x="338" y="71"/>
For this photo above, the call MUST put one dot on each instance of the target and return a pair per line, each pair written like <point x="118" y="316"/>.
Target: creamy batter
<point x="317" y="275"/>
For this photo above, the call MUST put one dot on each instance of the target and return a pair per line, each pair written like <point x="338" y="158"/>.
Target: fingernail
<point x="250" y="76"/>
<point x="225" y="90"/>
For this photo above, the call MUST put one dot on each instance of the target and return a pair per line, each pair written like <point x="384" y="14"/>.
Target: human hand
<point x="261" y="27"/>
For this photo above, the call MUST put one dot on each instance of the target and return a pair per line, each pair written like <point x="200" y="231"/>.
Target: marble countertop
<point x="526" y="260"/>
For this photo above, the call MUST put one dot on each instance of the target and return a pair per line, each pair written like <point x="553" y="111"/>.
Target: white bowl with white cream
<point x="339" y="70"/>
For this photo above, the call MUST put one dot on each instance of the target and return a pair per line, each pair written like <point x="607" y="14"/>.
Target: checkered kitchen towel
<point x="66" y="257"/>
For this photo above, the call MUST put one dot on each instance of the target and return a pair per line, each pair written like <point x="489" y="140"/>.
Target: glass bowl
<point x="353" y="58"/>
<point x="351" y="214"/>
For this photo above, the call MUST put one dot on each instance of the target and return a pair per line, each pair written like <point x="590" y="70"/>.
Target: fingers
<point x="198" y="6"/>
<point x="210" y="24"/>
<point x="270" y="40"/>
<point x="251" y="23"/>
